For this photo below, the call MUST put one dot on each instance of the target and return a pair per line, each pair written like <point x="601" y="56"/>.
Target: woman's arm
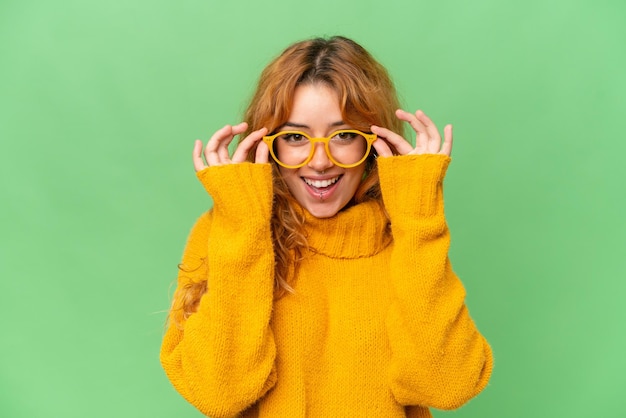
<point x="222" y="360"/>
<point x="439" y="358"/>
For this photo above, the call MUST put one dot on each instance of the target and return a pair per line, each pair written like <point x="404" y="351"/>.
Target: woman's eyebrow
<point x="301" y="126"/>
<point x="295" y="125"/>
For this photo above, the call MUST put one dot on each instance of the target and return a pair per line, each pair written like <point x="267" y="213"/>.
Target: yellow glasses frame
<point x="369" y="138"/>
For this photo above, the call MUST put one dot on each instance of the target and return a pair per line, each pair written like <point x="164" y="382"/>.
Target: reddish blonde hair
<point x="366" y="92"/>
<point x="367" y="97"/>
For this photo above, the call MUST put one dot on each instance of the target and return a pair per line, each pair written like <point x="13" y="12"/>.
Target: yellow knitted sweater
<point x="377" y="326"/>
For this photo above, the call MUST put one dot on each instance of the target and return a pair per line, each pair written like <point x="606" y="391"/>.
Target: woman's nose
<point x="320" y="161"/>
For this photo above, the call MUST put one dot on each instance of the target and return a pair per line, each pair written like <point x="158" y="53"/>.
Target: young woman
<point x="319" y="283"/>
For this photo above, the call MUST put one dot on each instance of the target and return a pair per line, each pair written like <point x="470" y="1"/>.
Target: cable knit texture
<point x="377" y="326"/>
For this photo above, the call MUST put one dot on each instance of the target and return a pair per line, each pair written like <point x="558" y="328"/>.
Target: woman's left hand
<point x="427" y="138"/>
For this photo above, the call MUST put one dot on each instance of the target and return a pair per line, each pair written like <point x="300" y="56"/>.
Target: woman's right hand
<point x="216" y="150"/>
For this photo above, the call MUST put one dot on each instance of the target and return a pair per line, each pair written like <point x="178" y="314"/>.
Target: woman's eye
<point x="345" y="136"/>
<point x="293" y="137"/>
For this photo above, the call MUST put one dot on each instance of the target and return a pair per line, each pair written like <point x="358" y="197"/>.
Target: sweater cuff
<point x="239" y="191"/>
<point x="411" y="185"/>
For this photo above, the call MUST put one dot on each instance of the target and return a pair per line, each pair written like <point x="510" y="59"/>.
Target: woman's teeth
<point x="319" y="184"/>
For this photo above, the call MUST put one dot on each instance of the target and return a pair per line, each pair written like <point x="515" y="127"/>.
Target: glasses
<point x="345" y="148"/>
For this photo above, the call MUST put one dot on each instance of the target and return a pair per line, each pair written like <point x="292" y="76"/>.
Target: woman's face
<point x="320" y="187"/>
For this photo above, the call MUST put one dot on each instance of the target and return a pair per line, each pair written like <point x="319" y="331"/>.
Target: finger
<point x="398" y="142"/>
<point x="216" y="151"/>
<point x="382" y="148"/>
<point x="240" y="128"/>
<point x="223" y="150"/>
<point x="416" y="124"/>
<point x="446" y="148"/>
<point x="243" y="149"/>
<point x="430" y="126"/>
<point x="212" y="152"/>
<point x="198" y="162"/>
<point x="262" y="153"/>
<point x="422" y="138"/>
<point x="434" y="142"/>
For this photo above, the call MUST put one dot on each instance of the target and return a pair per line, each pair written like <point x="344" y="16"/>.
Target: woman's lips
<point x="321" y="189"/>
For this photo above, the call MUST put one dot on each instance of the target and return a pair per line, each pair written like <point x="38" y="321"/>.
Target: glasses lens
<point x="291" y="148"/>
<point x="347" y="147"/>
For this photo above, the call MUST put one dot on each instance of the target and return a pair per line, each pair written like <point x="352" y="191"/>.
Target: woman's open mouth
<point x="321" y="188"/>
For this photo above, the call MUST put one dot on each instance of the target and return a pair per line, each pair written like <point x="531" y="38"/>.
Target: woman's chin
<point x="323" y="209"/>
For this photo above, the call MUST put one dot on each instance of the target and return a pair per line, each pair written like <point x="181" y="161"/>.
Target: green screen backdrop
<point x="100" y="102"/>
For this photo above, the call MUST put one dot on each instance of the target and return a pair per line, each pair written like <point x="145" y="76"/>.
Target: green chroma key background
<point x="100" y="102"/>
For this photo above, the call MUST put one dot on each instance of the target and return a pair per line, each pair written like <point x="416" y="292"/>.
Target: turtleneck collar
<point x="358" y="231"/>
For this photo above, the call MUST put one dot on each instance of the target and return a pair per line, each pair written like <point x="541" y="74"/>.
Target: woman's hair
<point x="367" y="97"/>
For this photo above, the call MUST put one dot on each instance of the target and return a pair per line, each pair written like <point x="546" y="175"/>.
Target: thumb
<point x="262" y="153"/>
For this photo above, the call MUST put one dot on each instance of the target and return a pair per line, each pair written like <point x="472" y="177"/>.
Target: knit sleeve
<point x="439" y="358"/>
<point x="222" y="360"/>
